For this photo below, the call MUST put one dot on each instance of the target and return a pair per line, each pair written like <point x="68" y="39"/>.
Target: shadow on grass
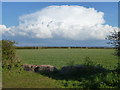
<point x="86" y="77"/>
<point x="76" y="72"/>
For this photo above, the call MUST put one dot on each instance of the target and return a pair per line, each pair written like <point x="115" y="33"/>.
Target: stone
<point x="45" y="68"/>
<point x="29" y="67"/>
<point x="39" y="68"/>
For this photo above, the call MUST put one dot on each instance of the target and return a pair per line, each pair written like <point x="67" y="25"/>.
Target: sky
<point x="59" y="23"/>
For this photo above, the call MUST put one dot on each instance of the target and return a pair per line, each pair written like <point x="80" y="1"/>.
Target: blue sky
<point x="12" y="11"/>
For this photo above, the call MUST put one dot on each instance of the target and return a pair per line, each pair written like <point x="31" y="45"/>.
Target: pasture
<point x="62" y="57"/>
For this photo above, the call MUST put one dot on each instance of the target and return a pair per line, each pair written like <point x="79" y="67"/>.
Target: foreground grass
<point x="21" y="79"/>
<point x="17" y="78"/>
<point x="61" y="57"/>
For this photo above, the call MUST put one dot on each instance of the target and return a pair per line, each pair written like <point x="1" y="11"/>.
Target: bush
<point x="92" y="76"/>
<point x="9" y="57"/>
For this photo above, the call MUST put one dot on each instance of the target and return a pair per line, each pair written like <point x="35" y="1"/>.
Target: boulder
<point x="71" y="69"/>
<point x="39" y="68"/>
<point x="29" y="67"/>
<point x="45" y="68"/>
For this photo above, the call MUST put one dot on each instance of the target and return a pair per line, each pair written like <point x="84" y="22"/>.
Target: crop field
<point x="62" y="57"/>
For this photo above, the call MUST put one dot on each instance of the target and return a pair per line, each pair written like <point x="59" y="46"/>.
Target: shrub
<point x="9" y="57"/>
<point x="88" y="62"/>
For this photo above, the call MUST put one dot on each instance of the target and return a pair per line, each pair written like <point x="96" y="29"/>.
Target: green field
<point x="22" y="79"/>
<point x="17" y="78"/>
<point x="61" y="57"/>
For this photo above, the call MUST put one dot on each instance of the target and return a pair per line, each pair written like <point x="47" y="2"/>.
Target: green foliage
<point x="92" y="76"/>
<point x="88" y="62"/>
<point x="118" y="68"/>
<point x="114" y="38"/>
<point x="102" y="80"/>
<point x="8" y="50"/>
<point x="9" y="57"/>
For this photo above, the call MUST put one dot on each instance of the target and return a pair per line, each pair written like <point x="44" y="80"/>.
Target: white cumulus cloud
<point x="69" y="22"/>
<point x="3" y="29"/>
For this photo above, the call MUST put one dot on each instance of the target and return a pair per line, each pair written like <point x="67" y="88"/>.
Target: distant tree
<point x="9" y="57"/>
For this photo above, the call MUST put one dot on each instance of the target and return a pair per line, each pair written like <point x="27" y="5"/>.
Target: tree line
<point x="37" y="47"/>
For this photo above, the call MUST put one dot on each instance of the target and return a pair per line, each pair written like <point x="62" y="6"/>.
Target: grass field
<point x="17" y="78"/>
<point x="60" y="57"/>
<point x="22" y="79"/>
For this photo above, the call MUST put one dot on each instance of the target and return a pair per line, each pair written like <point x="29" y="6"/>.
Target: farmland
<point x="60" y="57"/>
<point x="17" y="78"/>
